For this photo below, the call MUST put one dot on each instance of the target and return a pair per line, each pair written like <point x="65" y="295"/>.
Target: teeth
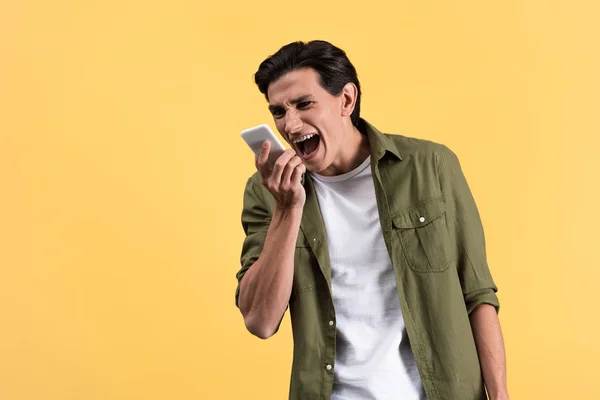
<point x="303" y="138"/>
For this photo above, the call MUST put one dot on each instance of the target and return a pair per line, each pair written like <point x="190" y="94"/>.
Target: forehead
<point x="293" y="84"/>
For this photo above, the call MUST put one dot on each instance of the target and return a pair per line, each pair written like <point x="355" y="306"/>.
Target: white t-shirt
<point x="374" y="359"/>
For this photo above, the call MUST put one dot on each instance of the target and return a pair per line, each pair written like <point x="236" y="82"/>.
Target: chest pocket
<point x="424" y="235"/>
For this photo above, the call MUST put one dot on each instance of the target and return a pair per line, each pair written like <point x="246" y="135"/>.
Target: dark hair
<point x="331" y="63"/>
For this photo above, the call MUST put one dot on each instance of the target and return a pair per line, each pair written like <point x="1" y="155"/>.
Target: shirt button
<point x="422" y="219"/>
<point x="330" y="323"/>
<point x="328" y="367"/>
<point x="314" y="239"/>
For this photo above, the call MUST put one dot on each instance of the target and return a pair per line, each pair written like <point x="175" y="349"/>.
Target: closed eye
<point x="303" y="105"/>
<point x="278" y="112"/>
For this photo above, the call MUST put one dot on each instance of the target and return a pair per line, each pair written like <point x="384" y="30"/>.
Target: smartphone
<point x="255" y="137"/>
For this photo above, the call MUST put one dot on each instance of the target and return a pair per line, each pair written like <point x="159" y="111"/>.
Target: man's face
<point x="308" y="117"/>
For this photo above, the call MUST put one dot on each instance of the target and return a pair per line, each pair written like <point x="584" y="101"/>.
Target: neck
<point x="356" y="150"/>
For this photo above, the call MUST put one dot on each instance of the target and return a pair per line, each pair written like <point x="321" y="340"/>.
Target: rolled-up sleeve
<point x="255" y="221"/>
<point x="466" y="230"/>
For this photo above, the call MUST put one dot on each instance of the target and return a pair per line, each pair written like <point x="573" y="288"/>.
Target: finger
<point x="289" y="169"/>
<point x="262" y="160"/>
<point x="299" y="171"/>
<point x="280" y="166"/>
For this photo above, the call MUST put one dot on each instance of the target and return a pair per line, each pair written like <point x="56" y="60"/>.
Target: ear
<point x="348" y="97"/>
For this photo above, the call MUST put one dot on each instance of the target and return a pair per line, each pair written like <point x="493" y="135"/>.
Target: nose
<point x="293" y="123"/>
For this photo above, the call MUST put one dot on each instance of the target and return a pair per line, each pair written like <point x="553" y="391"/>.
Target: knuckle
<point x="280" y="163"/>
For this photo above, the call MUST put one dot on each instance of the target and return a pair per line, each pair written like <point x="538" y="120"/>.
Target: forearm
<point x="490" y="348"/>
<point x="266" y="288"/>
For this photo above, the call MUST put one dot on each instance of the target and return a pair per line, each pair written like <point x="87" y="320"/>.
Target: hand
<point x="283" y="181"/>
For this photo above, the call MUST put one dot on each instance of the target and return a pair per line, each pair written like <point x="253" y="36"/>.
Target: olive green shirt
<point x="434" y="237"/>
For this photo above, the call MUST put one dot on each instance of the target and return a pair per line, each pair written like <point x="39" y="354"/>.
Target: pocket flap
<point x="420" y="214"/>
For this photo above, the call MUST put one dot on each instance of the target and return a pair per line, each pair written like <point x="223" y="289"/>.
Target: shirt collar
<point x="380" y="143"/>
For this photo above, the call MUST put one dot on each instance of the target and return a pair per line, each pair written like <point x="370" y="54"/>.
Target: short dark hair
<point x="331" y="63"/>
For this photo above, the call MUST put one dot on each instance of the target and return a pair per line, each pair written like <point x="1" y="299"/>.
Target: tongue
<point x="311" y="144"/>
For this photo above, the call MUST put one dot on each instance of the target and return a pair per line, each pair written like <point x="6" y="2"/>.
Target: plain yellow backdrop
<point x="122" y="172"/>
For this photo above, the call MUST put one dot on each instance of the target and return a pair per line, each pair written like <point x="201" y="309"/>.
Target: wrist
<point x="288" y="211"/>
<point x="289" y="214"/>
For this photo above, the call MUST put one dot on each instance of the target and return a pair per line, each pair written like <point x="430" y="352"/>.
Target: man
<point x="378" y="250"/>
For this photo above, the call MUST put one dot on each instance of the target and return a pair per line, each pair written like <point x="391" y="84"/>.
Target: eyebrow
<point x="274" y="107"/>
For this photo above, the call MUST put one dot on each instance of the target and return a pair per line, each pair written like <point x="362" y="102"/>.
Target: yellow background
<point x="122" y="171"/>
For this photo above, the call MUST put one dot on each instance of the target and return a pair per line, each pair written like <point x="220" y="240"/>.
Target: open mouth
<point x="309" y="145"/>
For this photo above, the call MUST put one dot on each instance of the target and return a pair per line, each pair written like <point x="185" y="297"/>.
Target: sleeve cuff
<point x="484" y="296"/>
